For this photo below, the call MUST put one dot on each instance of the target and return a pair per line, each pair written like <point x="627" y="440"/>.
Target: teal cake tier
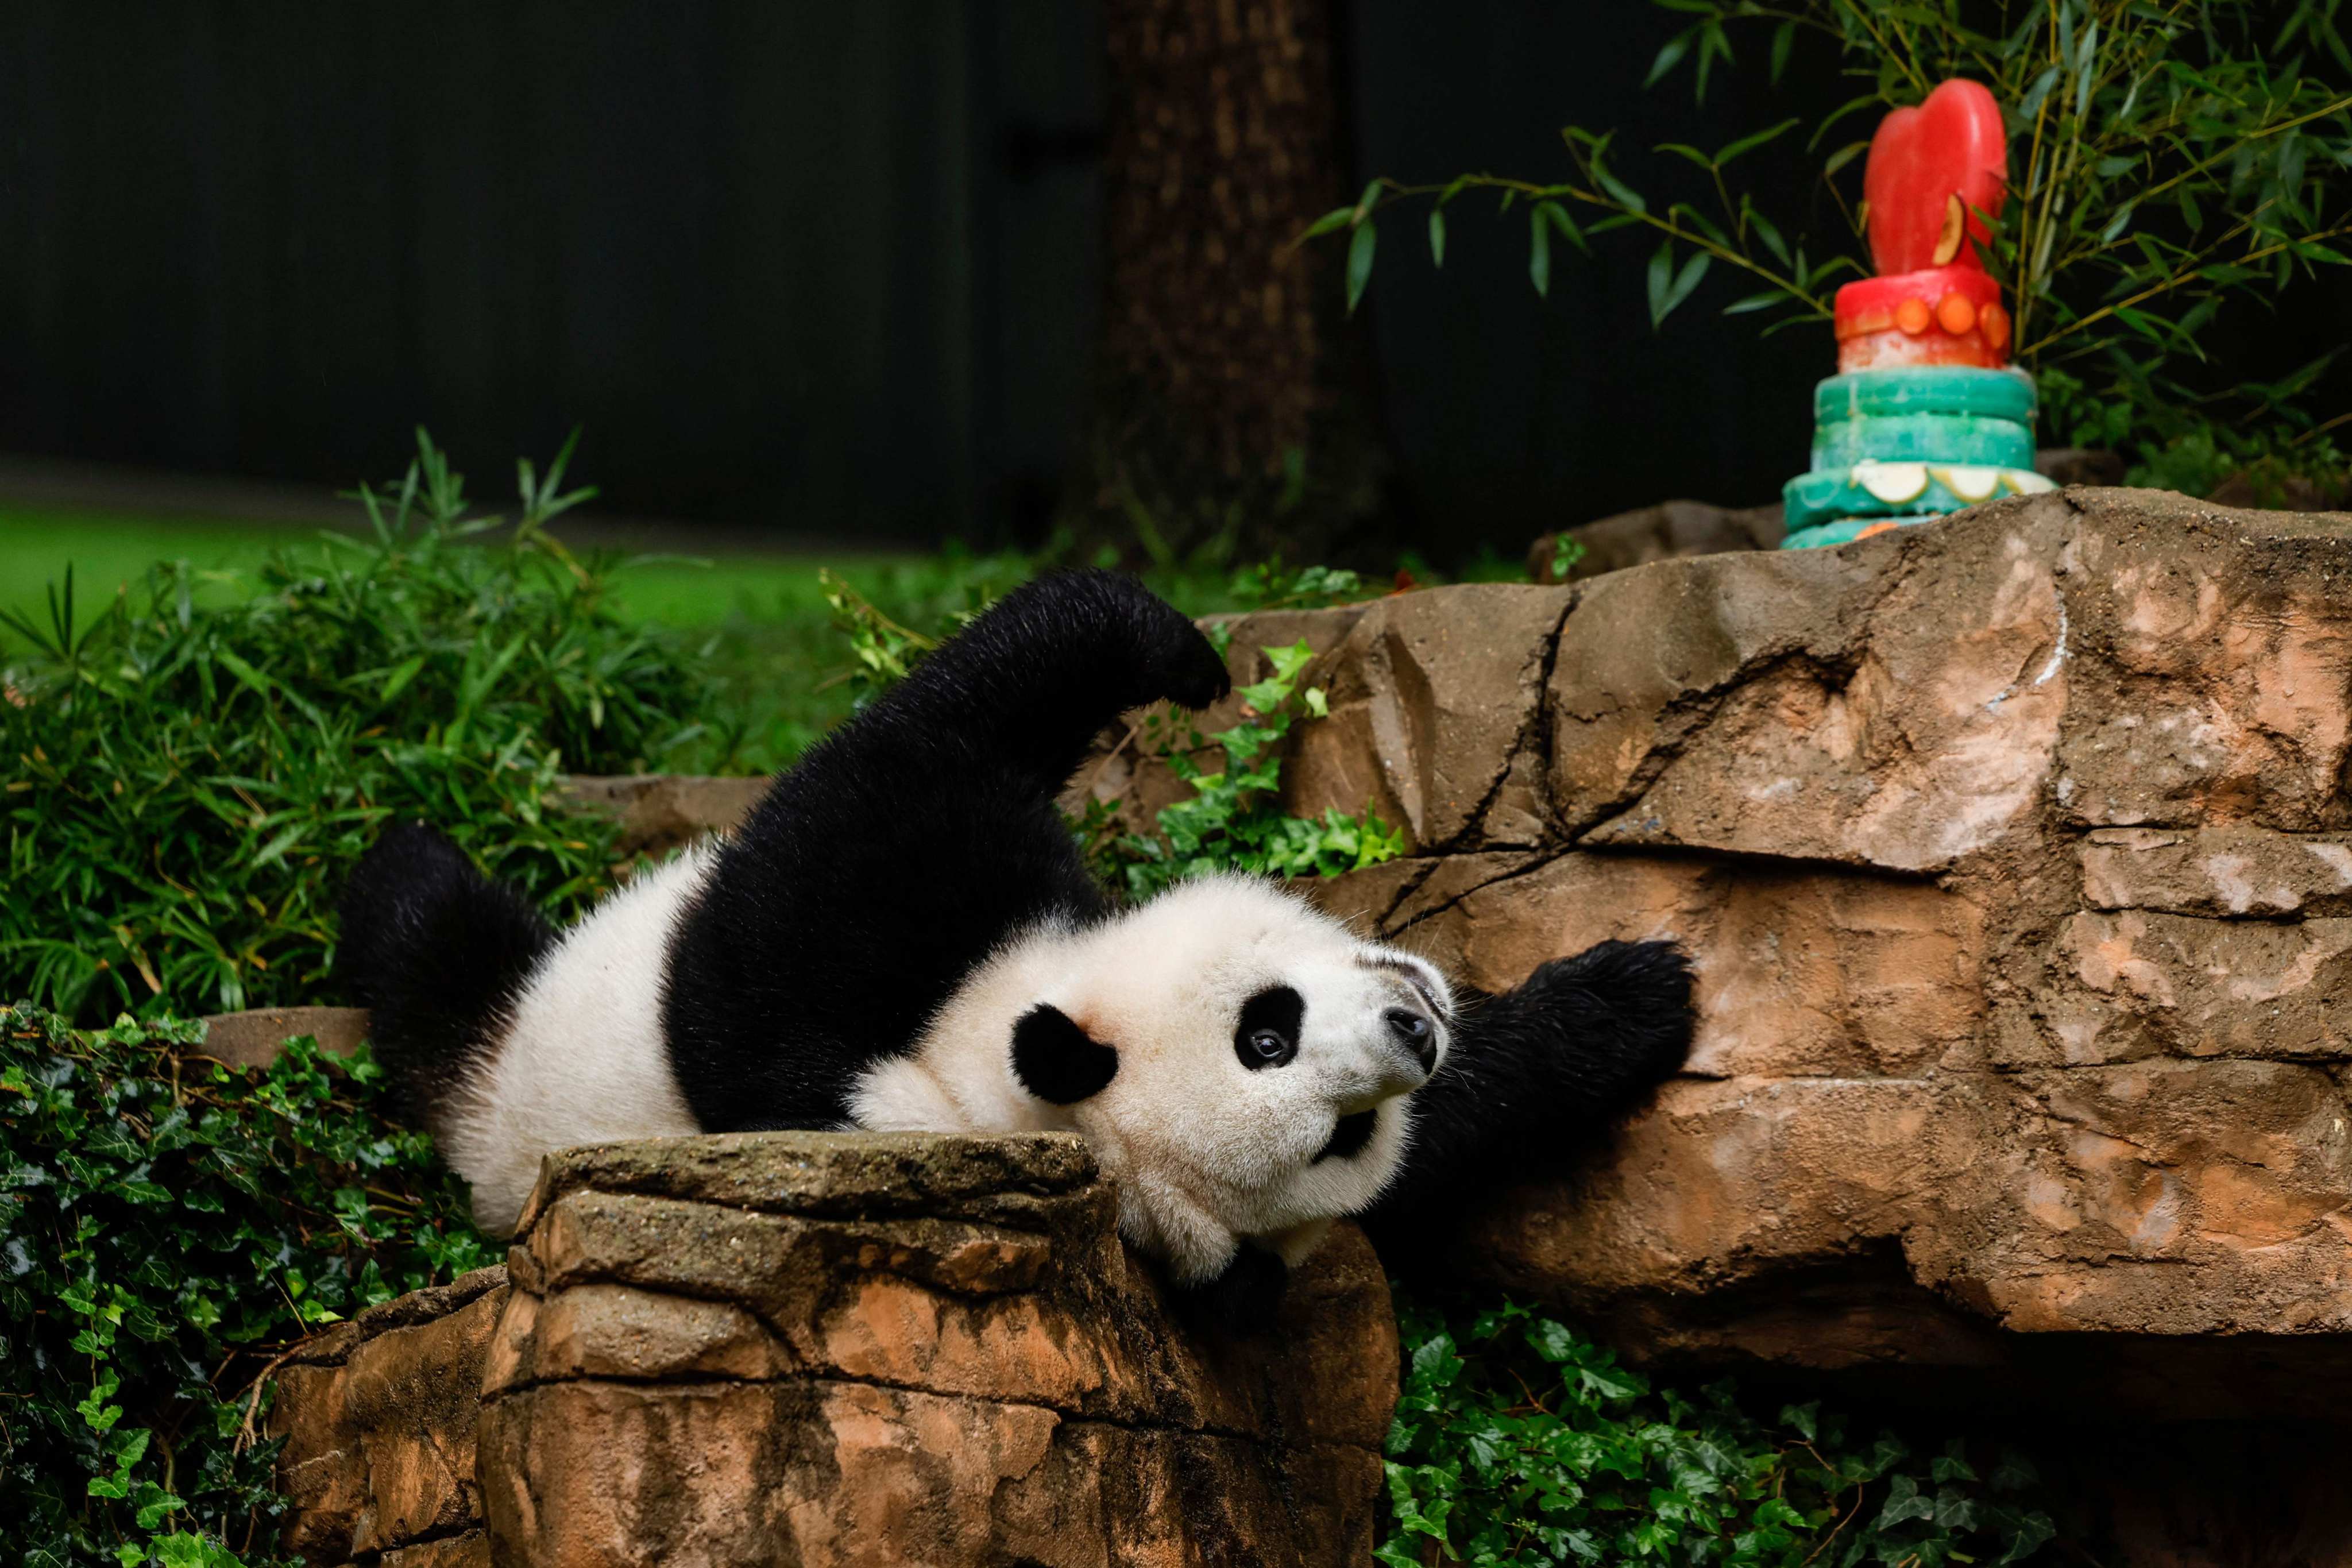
<point x="1845" y="531"/>
<point x="1925" y="389"/>
<point x="1874" y="489"/>
<point x="1977" y="438"/>
<point x="1910" y="443"/>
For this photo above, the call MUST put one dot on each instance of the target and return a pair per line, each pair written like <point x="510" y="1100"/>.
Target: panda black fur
<point x="903" y="935"/>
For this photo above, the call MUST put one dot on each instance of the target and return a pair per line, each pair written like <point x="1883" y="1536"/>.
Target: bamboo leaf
<point x="1558" y="216"/>
<point x="1359" y="261"/>
<point x="1624" y="194"/>
<point x="1843" y="156"/>
<point x="1750" y="143"/>
<point x="2036" y="95"/>
<point x="1436" y="237"/>
<point x="1336" y="219"/>
<point x="1685" y="281"/>
<point x="1668" y="58"/>
<point x="1691" y="217"/>
<point x="1539" y="252"/>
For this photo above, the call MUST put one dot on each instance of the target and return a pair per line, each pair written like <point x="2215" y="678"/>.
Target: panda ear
<point x="1055" y="1060"/>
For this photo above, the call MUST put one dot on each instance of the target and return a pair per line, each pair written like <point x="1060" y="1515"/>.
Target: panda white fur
<point x="903" y="937"/>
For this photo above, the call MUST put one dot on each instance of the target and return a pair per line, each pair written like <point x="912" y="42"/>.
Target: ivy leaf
<point x="1903" y="1502"/>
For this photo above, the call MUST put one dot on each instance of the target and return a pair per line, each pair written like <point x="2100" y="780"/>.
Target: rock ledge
<point x="819" y="1348"/>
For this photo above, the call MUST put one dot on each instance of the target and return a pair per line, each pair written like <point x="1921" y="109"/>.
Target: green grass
<point x="766" y="628"/>
<point x="109" y="550"/>
<point x="763" y="630"/>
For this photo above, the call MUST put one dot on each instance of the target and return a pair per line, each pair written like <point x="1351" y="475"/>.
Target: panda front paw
<point x="1630" y="1003"/>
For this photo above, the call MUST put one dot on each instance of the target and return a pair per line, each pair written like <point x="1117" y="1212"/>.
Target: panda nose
<point x="1415" y="1033"/>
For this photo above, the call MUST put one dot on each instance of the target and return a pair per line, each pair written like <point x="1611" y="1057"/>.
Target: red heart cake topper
<point x="1929" y="167"/>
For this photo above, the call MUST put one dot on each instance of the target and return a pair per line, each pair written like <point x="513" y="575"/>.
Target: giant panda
<point x="902" y="936"/>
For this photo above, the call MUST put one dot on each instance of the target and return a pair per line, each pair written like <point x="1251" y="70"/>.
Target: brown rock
<point x="841" y="1348"/>
<point x="1669" y="530"/>
<point x="658" y="812"/>
<point x="470" y="1550"/>
<point x="2017" y="861"/>
<point x="380" y="1445"/>
<point x="1434" y="699"/>
<point x="2136" y="983"/>
<point x="2227" y="868"/>
<point x="1795" y="710"/>
<point x="251" y="1039"/>
<point x="2079" y="465"/>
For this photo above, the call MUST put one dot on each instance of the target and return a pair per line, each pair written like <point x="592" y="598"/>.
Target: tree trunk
<point x="1233" y="414"/>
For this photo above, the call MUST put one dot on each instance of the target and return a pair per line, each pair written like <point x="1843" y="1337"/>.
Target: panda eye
<point x="1271" y="1048"/>
<point x="1268" y="1030"/>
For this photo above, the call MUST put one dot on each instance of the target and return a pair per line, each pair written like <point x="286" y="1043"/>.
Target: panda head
<point x="1239" y="1063"/>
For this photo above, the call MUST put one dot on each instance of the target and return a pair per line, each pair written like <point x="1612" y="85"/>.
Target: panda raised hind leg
<point x="881" y="869"/>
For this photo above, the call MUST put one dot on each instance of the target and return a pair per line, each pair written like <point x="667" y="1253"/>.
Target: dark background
<point x="816" y="270"/>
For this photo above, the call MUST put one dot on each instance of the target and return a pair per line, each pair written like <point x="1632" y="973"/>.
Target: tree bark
<point x="1233" y="415"/>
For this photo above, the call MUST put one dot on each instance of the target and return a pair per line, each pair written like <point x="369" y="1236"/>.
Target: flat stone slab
<point x="658" y="812"/>
<point x="252" y="1038"/>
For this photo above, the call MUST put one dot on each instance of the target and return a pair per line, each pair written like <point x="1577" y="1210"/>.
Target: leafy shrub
<point x="1519" y="1441"/>
<point x="188" y="784"/>
<point x="167" y="1224"/>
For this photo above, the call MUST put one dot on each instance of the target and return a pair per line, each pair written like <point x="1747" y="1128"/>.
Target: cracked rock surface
<point x="2016" y="855"/>
<point x="815" y="1348"/>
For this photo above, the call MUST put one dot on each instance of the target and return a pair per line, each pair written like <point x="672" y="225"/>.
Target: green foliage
<point x="1519" y="1441"/>
<point x="2178" y="439"/>
<point x="1233" y="819"/>
<point x="881" y="651"/>
<point x="169" y="1225"/>
<point x="2165" y="162"/>
<point x="1566" y="549"/>
<point x="186" y="784"/>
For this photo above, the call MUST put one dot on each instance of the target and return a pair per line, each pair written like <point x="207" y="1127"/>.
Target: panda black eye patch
<point x="1268" y="1034"/>
<point x="1054" y="1059"/>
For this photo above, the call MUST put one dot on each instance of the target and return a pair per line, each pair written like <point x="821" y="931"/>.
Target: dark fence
<point x="822" y="268"/>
